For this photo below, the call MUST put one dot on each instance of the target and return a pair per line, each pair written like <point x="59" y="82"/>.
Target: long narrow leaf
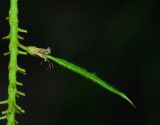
<point x="89" y="75"/>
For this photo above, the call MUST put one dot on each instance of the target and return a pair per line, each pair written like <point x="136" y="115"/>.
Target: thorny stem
<point x="13" y="21"/>
<point x="13" y="67"/>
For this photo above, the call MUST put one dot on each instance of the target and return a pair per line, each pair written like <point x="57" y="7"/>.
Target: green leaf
<point x="88" y="75"/>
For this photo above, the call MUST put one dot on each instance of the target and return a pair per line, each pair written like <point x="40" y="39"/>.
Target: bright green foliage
<point x="88" y="75"/>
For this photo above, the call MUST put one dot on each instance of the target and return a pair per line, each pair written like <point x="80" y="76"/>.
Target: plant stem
<point x="13" y="50"/>
<point x="13" y="67"/>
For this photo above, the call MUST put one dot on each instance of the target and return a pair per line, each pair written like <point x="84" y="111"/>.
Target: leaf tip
<point x="128" y="100"/>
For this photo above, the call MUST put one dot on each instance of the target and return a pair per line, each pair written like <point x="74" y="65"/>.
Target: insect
<point x="42" y="53"/>
<point x="47" y="52"/>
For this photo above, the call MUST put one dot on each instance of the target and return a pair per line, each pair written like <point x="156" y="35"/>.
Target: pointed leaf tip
<point x="88" y="75"/>
<point x="128" y="100"/>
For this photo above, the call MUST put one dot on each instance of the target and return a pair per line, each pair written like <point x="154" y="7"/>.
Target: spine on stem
<point x="13" y="67"/>
<point x="13" y="49"/>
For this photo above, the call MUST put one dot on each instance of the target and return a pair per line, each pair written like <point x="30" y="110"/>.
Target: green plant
<point x="15" y="49"/>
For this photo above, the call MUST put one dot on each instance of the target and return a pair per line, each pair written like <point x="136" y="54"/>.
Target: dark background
<point x="115" y="39"/>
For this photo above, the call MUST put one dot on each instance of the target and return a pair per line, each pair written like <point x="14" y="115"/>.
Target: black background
<point x="115" y="39"/>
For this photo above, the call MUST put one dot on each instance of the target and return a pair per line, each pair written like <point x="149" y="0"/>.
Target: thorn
<point x="20" y="37"/>
<point x="7" y="18"/>
<point x="6" y="53"/>
<point x="18" y="112"/>
<point x="23" y="71"/>
<point x="19" y="83"/>
<point x="22" y="30"/>
<point x="3" y="117"/>
<point x="22" y="46"/>
<point x="20" y="93"/>
<point x="5" y="112"/>
<point x="16" y="122"/>
<point x="4" y="102"/>
<point x="20" y="109"/>
<point x="22" y="53"/>
<point x="6" y="37"/>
